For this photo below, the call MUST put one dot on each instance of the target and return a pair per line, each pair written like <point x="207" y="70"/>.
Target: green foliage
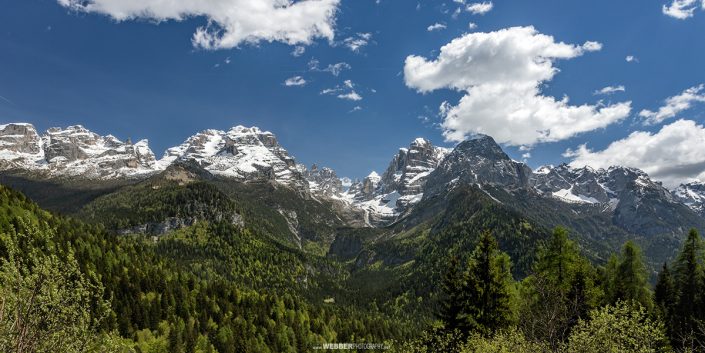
<point x="152" y="203"/>
<point x="506" y="341"/>
<point x="561" y="291"/>
<point x="623" y="327"/>
<point x="210" y="287"/>
<point x="46" y="303"/>
<point x="487" y="294"/>
<point x="627" y="279"/>
<point x="452" y="300"/>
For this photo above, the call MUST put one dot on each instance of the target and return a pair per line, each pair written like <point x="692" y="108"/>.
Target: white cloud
<point x="346" y="91"/>
<point x="480" y="8"/>
<point x="472" y="25"/>
<point x="526" y="156"/>
<point x="672" y="155"/>
<point x="333" y="69"/>
<point x="298" y="51"/>
<point x="295" y="81"/>
<point x="501" y="74"/>
<point x="592" y="46"/>
<point x="356" y="109"/>
<point x="358" y="41"/>
<point x="609" y="90"/>
<point x="631" y="58"/>
<point x="674" y="105"/>
<point x="436" y="27"/>
<point x="331" y="90"/>
<point x="230" y="22"/>
<point x="352" y="96"/>
<point x="682" y="9"/>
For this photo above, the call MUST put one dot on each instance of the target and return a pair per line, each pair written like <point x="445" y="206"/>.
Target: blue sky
<point x="142" y="79"/>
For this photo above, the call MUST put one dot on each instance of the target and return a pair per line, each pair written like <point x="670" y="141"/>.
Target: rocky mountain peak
<point x="479" y="160"/>
<point x="73" y="151"/>
<point x="242" y="153"/>
<point x="410" y="167"/>
<point x="322" y="181"/>
<point x="692" y="195"/>
<point x="20" y="138"/>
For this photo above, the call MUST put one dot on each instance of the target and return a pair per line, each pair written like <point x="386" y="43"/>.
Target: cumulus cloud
<point x="230" y="22"/>
<point x="358" y="41"/>
<point x="674" y="105"/>
<point x="295" y="81"/>
<point x="436" y="27"/>
<point x="682" y="9"/>
<point x="605" y="91"/>
<point x="501" y="74"/>
<point x="479" y="8"/>
<point x="631" y="58"/>
<point x="472" y="25"/>
<point x="672" y="155"/>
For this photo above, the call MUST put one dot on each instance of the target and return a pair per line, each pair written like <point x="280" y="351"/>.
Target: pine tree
<point x="451" y="305"/>
<point x="558" y="259"/>
<point x="689" y="284"/>
<point x="488" y="291"/>
<point x="665" y="296"/>
<point x="559" y="293"/>
<point x="630" y="279"/>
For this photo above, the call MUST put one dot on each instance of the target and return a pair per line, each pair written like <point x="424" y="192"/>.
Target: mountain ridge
<point x="418" y="171"/>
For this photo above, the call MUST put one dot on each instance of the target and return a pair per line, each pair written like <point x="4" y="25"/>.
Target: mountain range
<point x="603" y="206"/>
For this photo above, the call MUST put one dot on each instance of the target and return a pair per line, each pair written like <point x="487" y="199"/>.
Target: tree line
<point x="567" y="304"/>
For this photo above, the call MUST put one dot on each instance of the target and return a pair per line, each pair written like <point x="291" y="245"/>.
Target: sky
<point x="346" y="83"/>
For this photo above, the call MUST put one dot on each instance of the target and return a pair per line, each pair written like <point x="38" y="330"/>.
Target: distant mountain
<point x="624" y="198"/>
<point x="322" y="181"/>
<point x="478" y="160"/>
<point x="635" y="202"/>
<point x="241" y="153"/>
<point x="384" y="198"/>
<point x="73" y="152"/>
<point x="692" y="195"/>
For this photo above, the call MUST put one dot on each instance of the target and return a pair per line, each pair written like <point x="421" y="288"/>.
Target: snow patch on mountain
<point x="73" y="152"/>
<point x="242" y="153"/>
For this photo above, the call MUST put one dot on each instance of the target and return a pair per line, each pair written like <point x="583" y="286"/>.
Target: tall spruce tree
<point x="452" y="304"/>
<point x="488" y="288"/>
<point x="688" y="274"/>
<point x="665" y="296"/>
<point x="629" y="282"/>
<point x="560" y="291"/>
<point x="558" y="259"/>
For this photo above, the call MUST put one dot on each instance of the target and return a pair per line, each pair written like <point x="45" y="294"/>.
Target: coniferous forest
<point x="294" y="176"/>
<point x="70" y="284"/>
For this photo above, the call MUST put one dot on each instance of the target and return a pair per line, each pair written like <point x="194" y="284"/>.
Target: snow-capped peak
<point x="243" y="153"/>
<point x="73" y="151"/>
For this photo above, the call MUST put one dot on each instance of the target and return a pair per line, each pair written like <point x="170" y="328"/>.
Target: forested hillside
<point x="476" y="277"/>
<point x="208" y="287"/>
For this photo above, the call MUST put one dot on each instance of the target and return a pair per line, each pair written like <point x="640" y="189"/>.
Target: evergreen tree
<point x="665" y="296"/>
<point x="559" y="293"/>
<point x="688" y="275"/>
<point x="630" y="278"/>
<point x="488" y="290"/>
<point x="558" y="259"/>
<point x="451" y="304"/>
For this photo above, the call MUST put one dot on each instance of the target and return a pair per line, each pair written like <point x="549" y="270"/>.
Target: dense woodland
<point x="70" y="285"/>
